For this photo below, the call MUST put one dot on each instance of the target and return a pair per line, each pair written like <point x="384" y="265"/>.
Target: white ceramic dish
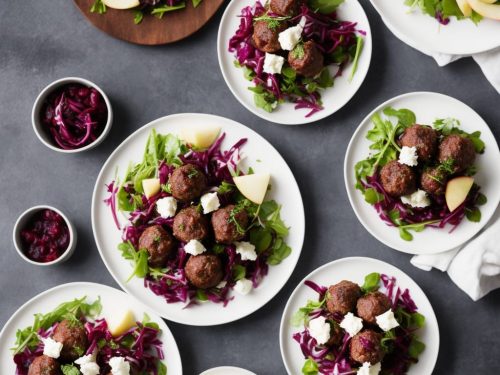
<point x="355" y="269"/>
<point x="227" y="370"/>
<point x="423" y="32"/>
<point x="262" y="157"/>
<point x="427" y="107"/>
<point x="110" y="298"/>
<point x="333" y="98"/>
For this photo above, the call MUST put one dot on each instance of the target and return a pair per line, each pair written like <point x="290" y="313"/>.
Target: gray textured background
<point x="41" y="41"/>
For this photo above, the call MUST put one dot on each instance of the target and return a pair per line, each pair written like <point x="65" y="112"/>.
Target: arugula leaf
<point x="98" y="7"/>
<point x="138" y="16"/>
<point x="261" y="238"/>
<point x="450" y="126"/>
<point x="406" y="117"/>
<point x="325" y="6"/>
<point x="280" y="251"/>
<point x="481" y="199"/>
<point x="196" y="3"/>
<point x="416" y="348"/>
<point x="70" y="370"/>
<point x="201" y="295"/>
<point x="473" y="214"/>
<point x="263" y="98"/>
<point x="372" y="196"/>
<point x="325" y="79"/>
<point x="359" y="48"/>
<point x="310" y="367"/>
<point x="417" y="320"/>
<point x="161" y="10"/>
<point x="372" y="281"/>
<point x="239" y="272"/>
<point x="162" y="369"/>
<point x="301" y="315"/>
<point x="139" y="259"/>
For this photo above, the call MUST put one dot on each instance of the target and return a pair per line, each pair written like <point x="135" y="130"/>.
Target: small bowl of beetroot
<point x="44" y="236"/>
<point x="72" y="115"/>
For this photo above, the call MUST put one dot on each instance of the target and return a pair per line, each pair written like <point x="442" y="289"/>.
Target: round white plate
<point x="427" y="106"/>
<point x="227" y="370"/>
<point x="110" y="298"/>
<point x="425" y="33"/>
<point x="262" y="157"/>
<point x="333" y="98"/>
<point x="355" y="269"/>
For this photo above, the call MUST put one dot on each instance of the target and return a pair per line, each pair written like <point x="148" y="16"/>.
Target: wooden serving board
<point x="172" y="27"/>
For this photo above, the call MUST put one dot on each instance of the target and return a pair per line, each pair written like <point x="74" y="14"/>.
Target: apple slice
<point x="151" y="186"/>
<point x="486" y="10"/>
<point x="121" y="4"/>
<point x="120" y="321"/>
<point x="253" y="186"/>
<point x="457" y="190"/>
<point x="464" y="7"/>
<point x="199" y="136"/>
<point x="489" y="1"/>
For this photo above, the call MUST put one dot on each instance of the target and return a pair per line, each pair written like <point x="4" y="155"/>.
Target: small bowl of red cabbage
<point x="44" y="236"/>
<point x="72" y="115"/>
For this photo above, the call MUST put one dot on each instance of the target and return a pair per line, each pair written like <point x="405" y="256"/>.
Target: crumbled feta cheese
<point x="243" y="286"/>
<point x="417" y="199"/>
<point x="166" y="207"/>
<point x="209" y="202"/>
<point x="408" y="156"/>
<point x="246" y="250"/>
<point x="273" y="63"/>
<point x="222" y="284"/>
<point x="351" y="324"/>
<point x="52" y="348"/>
<point x="194" y="247"/>
<point x="290" y="37"/>
<point x="119" y="366"/>
<point x="87" y="364"/>
<point x="387" y="321"/>
<point x="369" y="369"/>
<point x="320" y="329"/>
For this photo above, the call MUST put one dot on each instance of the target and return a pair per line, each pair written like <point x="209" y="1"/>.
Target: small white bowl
<point x="227" y="370"/>
<point x="44" y="136"/>
<point x="20" y="224"/>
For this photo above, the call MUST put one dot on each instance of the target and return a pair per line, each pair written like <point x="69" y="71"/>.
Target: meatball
<point x="229" y="224"/>
<point x="397" y="179"/>
<point x="286" y="7"/>
<point x="371" y="305"/>
<point x="433" y="180"/>
<point x="158" y="243"/>
<point x="187" y="183"/>
<point x="336" y="335"/>
<point x="204" y="271"/>
<point x="366" y="347"/>
<point x="423" y="138"/>
<point x="44" y="365"/>
<point x="190" y="224"/>
<point x="306" y="59"/>
<point x="71" y="333"/>
<point x="265" y="38"/>
<point x="341" y="298"/>
<point x="458" y="150"/>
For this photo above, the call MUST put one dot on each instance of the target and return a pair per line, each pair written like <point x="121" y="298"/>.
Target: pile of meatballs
<point x="265" y="38"/>
<point x="434" y="151"/>
<point x="225" y="225"/>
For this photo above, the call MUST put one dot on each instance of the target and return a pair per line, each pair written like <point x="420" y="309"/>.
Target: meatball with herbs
<point x="265" y="36"/>
<point x="190" y="224"/>
<point x="341" y="298"/>
<point x="423" y="138"/>
<point x="397" y="179"/>
<point x="71" y="333"/>
<point x="204" y="271"/>
<point x="306" y="59"/>
<point x="433" y="180"/>
<point x="458" y="152"/>
<point x="229" y="224"/>
<point x="371" y="305"/>
<point x="44" y="365"/>
<point x="286" y="7"/>
<point x="187" y="182"/>
<point x="366" y="347"/>
<point x="158" y="243"/>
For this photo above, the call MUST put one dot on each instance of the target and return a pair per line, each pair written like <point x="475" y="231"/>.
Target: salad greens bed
<point x="442" y="10"/>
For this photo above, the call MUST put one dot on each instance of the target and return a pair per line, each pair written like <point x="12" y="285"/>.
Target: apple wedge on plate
<point x="486" y="8"/>
<point x="121" y="4"/>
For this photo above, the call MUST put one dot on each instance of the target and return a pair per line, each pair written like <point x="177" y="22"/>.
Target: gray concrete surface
<point x="41" y="41"/>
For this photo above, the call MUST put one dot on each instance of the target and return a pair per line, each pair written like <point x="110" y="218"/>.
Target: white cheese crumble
<point x="408" y="156"/>
<point x="243" y="286"/>
<point x="246" y="250"/>
<point x="222" y="284"/>
<point x="166" y="207"/>
<point x="209" y="202"/>
<point x="417" y="199"/>
<point x="52" y="348"/>
<point x="87" y="364"/>
<point x="273" y="63"/>
<point x="387" y="321"/>
<point x="194" y="247"/>
<point x="351" y="324"/>
<point x="290" y="37"/>
<point x="369" y="369"/>
<point x="119" y="366"/>
<point x="320" y="329"/>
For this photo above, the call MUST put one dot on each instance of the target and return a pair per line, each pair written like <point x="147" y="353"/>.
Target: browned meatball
<point x="204" y="271"/>
<point x="341" y="298"/>
<point x="336" y="335"/>
<point x="190" y="224"/>
<point x="44" y="365"/>
<point x="265" y="38"/>
<point x="187" y="182"/>
<point x="459" y="150"/>
<point x="366" y="347"/>
<point x="306" y="59"/>
<point x="71" y="333"/>
<point x="158" y="243"/>
<point x="229" y="224"/>
<point x="423" y="138"/>
<point x="397" y="179"/>
<point x="433" y="180"/>
<point x="286" y="7"/>
<point x="371" y="305"/>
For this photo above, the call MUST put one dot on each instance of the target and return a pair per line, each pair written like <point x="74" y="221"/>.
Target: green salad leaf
<point x="301" y="315"/>
<point x="70" y="370"/>
<point x="371" y="283"/>
<point x="359" y="48"/>
<point x="310" y="367"/>
<point x="159" y="11"/>
<point x="442" y="8"/>
<point x="448" y="126"/>
<point x="325" y="6"/>
<point x="98" y="7"/>
<point x="139" y="259"/>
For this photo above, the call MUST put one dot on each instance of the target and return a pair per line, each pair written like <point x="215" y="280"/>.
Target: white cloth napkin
<point x="475" y="267"/>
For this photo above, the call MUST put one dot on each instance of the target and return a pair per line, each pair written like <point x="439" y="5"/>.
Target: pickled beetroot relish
<point x="75" y="115"/>
<point x="45" y="237"/>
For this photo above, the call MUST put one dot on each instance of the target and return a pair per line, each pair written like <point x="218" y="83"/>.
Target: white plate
<point x="333" y="98"/>
<point x="355" y="269"/>
<point x="110" y="298"/>
<point x="427" y="106"/>
<point x="262" y="157"/>
<point x="425" y="33"/>
<point x="227" y="370"/>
